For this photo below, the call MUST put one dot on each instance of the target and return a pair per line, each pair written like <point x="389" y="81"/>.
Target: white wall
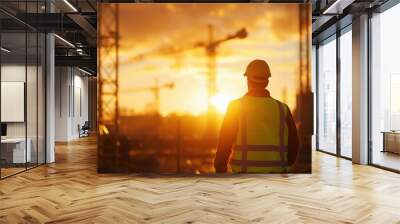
<point x="71" y="94"/>
<point x="61" y="103"/>
<point x="16" y="73"/>
<point x="80" y="109"/>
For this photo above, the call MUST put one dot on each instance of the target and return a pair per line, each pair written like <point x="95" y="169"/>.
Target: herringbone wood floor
<point x="71" y="191"/>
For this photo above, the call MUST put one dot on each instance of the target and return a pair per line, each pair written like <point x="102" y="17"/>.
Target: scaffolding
<point x="109" y="142"/>
<point x="108" y="67"/>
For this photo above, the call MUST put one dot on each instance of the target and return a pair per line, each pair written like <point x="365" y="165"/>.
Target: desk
<point x="391" y="141"/>
<point x="15" y="148"/>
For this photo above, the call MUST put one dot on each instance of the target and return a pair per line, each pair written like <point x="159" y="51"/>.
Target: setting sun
<point x="221" y="101"/>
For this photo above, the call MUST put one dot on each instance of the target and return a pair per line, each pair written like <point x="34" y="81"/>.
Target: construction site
<point x="153" y="139"/>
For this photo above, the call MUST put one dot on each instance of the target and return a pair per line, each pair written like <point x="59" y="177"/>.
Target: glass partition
<point x="22" y="90"/>
<point x="14" y="153"/>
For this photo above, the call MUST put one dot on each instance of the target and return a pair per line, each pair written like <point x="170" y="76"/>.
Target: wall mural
<point x="204" y="88"/>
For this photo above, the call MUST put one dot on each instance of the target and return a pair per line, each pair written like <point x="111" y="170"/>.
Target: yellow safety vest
<point x="262" y="141"/>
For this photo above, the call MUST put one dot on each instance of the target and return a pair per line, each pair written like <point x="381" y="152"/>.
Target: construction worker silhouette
<point x="258" y="134"/>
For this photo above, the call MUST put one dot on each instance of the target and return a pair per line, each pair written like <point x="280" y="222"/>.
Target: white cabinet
<point x="17" y="145"/>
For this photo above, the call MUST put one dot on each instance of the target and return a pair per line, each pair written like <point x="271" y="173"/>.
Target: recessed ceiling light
<point x="335" y="7"/>
<point x="5" y="50"/>
<point x="70" y="5"/>
<point x="84" y="71"/>
<point x="65" y="41"/>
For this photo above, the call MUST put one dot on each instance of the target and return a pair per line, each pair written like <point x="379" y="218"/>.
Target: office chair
<point x="84" y="130"/>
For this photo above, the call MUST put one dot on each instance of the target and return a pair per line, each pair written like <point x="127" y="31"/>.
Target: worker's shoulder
<point x="234" y="103"/>
<point x="280" y="102"/>
<point x="285" y="106"/>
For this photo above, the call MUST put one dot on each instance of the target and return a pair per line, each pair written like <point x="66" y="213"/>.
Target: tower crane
<point x="211" y="49"/>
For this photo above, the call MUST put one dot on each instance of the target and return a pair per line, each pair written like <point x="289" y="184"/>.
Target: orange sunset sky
<point x="273" y="35"/>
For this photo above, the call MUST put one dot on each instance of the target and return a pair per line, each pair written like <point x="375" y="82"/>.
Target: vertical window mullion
<point x="338" y="76"/>
<point x="45" y="73"/>
<point x="369" y="96"/>
<point x="26" y="86"/>
<point x="37" y="90"/>
<point x="317" y="96"/>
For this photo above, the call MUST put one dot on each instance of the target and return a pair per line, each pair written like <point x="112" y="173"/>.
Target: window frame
<point x="381" y="9"/>
<point x="333" y="37"/>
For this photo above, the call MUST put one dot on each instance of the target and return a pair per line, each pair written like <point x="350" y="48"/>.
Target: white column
<point x="50" y="92"/>
<point x="360" y="90"/>
<point x="50" y="100"/>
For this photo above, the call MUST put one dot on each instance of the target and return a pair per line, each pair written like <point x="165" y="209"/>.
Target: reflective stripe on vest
<point x="260" y="158"/>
